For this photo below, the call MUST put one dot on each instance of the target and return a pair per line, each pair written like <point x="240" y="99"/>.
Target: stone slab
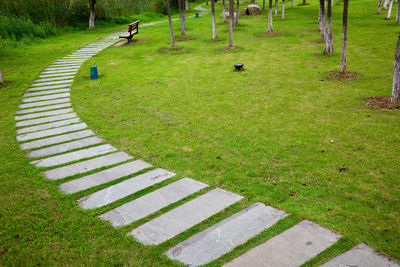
<point x="50" y="132"/>
<point x="184" y="217"/>
<point x="56" y="139"/>
<point x="58" y="65"/>
<point x="44" y="103"/>
<point x="58" y="71"/>
<point x="53" y="82"/>
<point x="152" y="202"/>
<point x="62" y="68"/>
<point x="125" y="188"/>
<point x="224" y="236"/>
<point x="88" y="165"/>
<point x="74" y="156"/>
<point x="362" y="256"/>
<point x="104" y="176"/>
<point x="55" y="78"/>
<point x="65" y="147"/>
<point x="46" y="126"/>
<point x="45" y="120"/>
<point x="293" y="247"/>
<point x="48" y="92"/>
<point x="43" y="114"/>
<point x="46" y="97"/>
<point x="71" y="61"/>
<point x="71" y="73"/>
<point x="48" y="87"/>
<point x="31" y="110"/>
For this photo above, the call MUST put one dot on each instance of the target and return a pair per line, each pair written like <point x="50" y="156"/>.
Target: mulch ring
<point x="343" y="75"/>
<point x="382" y="102"/>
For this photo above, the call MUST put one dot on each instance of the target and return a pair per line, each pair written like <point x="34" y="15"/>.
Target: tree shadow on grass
<point x="176" y="50"/>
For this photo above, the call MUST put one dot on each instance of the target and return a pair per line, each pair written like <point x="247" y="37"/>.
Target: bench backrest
<point x="134" y="26"/>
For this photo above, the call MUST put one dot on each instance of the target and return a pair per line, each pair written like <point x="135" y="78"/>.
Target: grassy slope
<point x="270" y="128"/>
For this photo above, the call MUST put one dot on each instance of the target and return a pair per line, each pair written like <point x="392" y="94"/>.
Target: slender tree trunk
<point x="181" y="16"/>
<point x="187" y="5"/>
<point x="283" y="10"/>
<point x="237" y="11"/>
<point x="224" y="9"/>
<point x="398" y="13"/>
<point x="385" y="4"/>
<point x="263" y="8"/>
<point x="329" y="36"/>
<point x="214" y="24"/>
<point x="322" y="5"/>
<point x="292" y="3"/>
<point x="344" y="40"/>
<point x="338" y="2"/>
<point x="379" y="6"/>
<point x="92" y="14"/>
<point x="276" y="8"/>
<point x="270" y="30"/>
<point x="1" y="77"/>
<point x="320" y="16"/>
<point x="389" y="11"/>
<point x="396" y="74"/>
<point x="231" y="22"/>
<point x="304" y="2"/>
<point x="170" y="24"/>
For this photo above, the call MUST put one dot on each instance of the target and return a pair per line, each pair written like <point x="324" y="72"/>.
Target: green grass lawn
<point x="282" y="132"/>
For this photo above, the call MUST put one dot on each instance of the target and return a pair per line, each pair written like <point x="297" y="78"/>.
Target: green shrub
<point x="159" y="6"/>
<point x="18" y="28"/>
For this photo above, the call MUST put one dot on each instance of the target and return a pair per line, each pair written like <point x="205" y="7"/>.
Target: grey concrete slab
<point x="88" y="165"/>
<point x="74" y="156"/>
<point x="362" y="256"/>
<point x="45" y="120"/>
<point x="293" y="247"/>
<point x="57" y="67"/>
<point x="49" y="87"/>
<point x="44" y="103"/>
<point x="47" y="97"/>
<point x="125" y="188"/>
<point x="152" y="202"/>
<point x="77" y="56"/>
<point x="104" y="176"/>
<point x="56" y="139"/>
<point x="70" y="73"/>
<point x="55" y="78"/>
<point x="52" y="83"/>
<point x="65" y="147"/>
<point x="58" y="71"/>
<point x="184" y="217"/>
<point x="52" y="107"/>
<point x="48" y="92"/>
<point x="46" y="126"/>
<point x="71" y="61"/>
<point x="224" y="236"/>
<point x="43" y="114"/>
<point x="50" y="132"/>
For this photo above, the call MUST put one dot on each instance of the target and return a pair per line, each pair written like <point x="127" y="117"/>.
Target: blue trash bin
<point x="93" y="73"/>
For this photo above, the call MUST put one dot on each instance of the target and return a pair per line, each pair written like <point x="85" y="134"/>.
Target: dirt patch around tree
<point x="382" y="102"/>
<point x="337" y="75"/>
<point x="268" y="34"/>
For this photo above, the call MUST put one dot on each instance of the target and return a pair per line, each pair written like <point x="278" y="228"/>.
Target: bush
<point x="18" y="28"/>
<point x="159" y="6"/>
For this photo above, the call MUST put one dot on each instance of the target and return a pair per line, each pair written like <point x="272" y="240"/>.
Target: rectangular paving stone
<point x="55" y="78"/>
<point x="53" y="82"/>
<point x="46" y="126"/>
<point x="58" y="74"/>
<point x="293" y="247"/>
<point x="74" y="156"/>
<point x="48" y="92"/>
<point x="81" y="143"/>
<point x="43" y="114"/>
<point x="362" y="256"/>
<point x="58" y="71"/>
<point x="45" y="119"/>
<point x="152" y="202"/>
<point x="125" y="188"/>
<point x="71" y="61"/>
<point x="31" y="110"/>
<point x="56" y="139"/>
<point x="44" y="103"/>
<point x="88" y="165"/>
<point x="48" y="87"/>
<point x="57" y="67"/>
<point x="104" y="176"/>
<point x="47" y="97"/>
<point x="224" y="236"/>
<point x="50" y="132"/>
<point x="184" y="217"/>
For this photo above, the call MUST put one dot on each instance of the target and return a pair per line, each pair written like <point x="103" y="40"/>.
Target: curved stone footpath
<point x="54" y="137"/>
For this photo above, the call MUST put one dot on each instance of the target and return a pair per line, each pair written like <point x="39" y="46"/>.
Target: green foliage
<point x="159" y="6"/>
<point x="18" y="28"/>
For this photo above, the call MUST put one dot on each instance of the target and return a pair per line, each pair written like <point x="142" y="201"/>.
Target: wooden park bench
<point x="132" y="30"/>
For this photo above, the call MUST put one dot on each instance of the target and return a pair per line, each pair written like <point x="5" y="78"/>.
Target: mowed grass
<point x="281" y="133"/>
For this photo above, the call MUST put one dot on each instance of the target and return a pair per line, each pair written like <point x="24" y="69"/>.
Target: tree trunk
<point x="214" y="24"/>
<point x="344" y="40"/>
<point x="231" y="23"/>
<point x="276" y="8"/>
<point x="329" y="36"/>
<point x="270" y="16"/>
<point x="304" y="2"/>
<point x="92" y="14"/>
<point x="292" y="3"/>
<point x="385" y="4"/>
<point x="320" y="16"/>
<point x="398" y="13"/>
<point x="237" y="11"/>
<point x="187" y="5"/>
<point x="224" y="9"/>
<point x="1" y="77"/>
<point x="263" y="5"/>
<point x="389" y="11"/>
<point x="182" y="16"/>
<point x="322" y="6"/>
<point x="396" y="74"/>
<point x="283" y="10"/>
<point x="379" y="6"/>
<point x="170" y="24"/>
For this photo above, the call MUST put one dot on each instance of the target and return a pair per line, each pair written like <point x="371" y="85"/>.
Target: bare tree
<point x="224" y="9"/>
<point x="322" y="6"/>
<point x="319" y="16"/>
<point x="276" y="8"/>
<point x="270" y="30"/>
<point x="398" y="12"/>
<point x="170" y="24"/>
<point x="263" y="8"/>
<point x="379" y="6"/>
<point x="344" y="40"/>
<point x="92" y="14"/>
<point x="214" y="24"/>
<point x="237" y="11"/>
<point x="304" y="2"/>
<point x="231" y="22"/>
<point x="1" y="77"/>
<point x="389" y="11"/>
<point x="187" y="5"/>
<point x="292" y="3"/>
<point x="182" y="16"/>
<point x="385" y="4"/>
<point x="329" y="36"/>
<point x="396" y="74"/>
<point x="283" y="10"/>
